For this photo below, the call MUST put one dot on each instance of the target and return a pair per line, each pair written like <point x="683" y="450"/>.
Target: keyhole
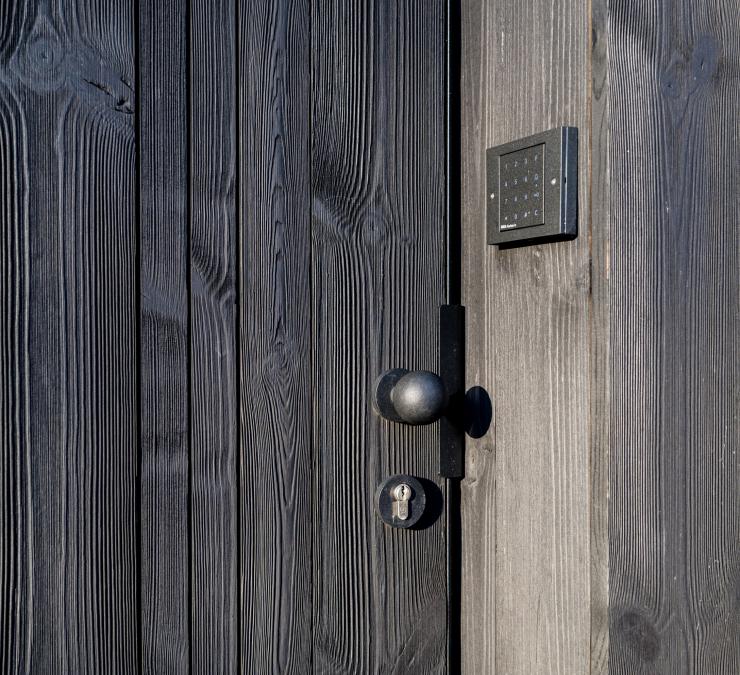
<point x="402" y="492"/>
<point x="401" y="495"/>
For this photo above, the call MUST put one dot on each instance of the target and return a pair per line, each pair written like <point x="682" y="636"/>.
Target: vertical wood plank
<point x="478" y="489"/>
<point x="164" y="336"/>
<point x="214" y="369"/>
<point x="378" y="142"/>
<point x="526" y="496"/>
<point x="674" y="513"/>
<point x="67" y="338"/>
<point x="600" y="404"/>
<point x="275" y="335"/>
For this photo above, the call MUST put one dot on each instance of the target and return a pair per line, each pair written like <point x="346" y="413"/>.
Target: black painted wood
<point x="674" y="514"/>
<point x="276" y="457"/>
<point x="68" y="297"/>
<point x="214" y="367"/>
<point x="378" y="201"/>
<point x="165" y="271"/>
<point x="199" y="285"/>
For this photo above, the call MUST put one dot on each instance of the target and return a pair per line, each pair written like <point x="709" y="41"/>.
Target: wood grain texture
<point x="600" y="404"/>
<point x="67" y="339"/>
<point x="478" y="489"/>
<point x="526" y="510"/>
<point x="378" y="202"/>
<point x="275" y="336"/>
<point x="674" y="514"/>
<point x="164" y="335"/>
<point x="213" y="366"/>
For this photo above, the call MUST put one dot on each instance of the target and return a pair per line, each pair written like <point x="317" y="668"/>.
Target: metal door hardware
<point x="401" y="495"/>
<point x="532" y="188"/>
<point x="411" y="397"/>
<point x="422" y="397"/>
<point x="401" y="501"/>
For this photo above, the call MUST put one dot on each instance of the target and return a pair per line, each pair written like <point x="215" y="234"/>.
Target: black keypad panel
<point x="521" y="191"/>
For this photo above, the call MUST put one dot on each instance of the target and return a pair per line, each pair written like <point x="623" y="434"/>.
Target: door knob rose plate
<point x="409" y="397"/>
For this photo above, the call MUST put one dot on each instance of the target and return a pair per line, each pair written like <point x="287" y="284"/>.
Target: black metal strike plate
<point x="532" y="188"/>
<point x="452" y="373"/>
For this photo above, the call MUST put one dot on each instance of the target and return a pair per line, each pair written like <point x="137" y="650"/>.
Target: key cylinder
<point x="400" y="501"/>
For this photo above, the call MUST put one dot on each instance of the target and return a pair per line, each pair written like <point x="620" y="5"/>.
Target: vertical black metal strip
<point x="452" y="342"/>
<point x="452" y="372"/>
<point x="454" y="577"/>
<point x="454" y="251"/>
<point x="452" y="463"/>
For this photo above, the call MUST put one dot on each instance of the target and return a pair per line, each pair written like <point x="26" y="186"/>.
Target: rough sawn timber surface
<point x="525" y="499"/>
<point x="674" y="510"/>
<point x="214" y="368"/>
<point x="68" y="387"/>
<point x="274" y="273"/>
<point x="378" y="233"/>
<point x="164" y="246"/>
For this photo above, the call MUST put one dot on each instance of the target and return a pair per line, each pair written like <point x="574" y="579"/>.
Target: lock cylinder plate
<point x="400" y="501"/>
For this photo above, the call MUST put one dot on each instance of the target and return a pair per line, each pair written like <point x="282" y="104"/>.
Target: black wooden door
<point x="219" y="222"/>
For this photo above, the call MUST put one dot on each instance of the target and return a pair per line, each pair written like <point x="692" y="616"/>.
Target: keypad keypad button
<point x="519" y="173"/>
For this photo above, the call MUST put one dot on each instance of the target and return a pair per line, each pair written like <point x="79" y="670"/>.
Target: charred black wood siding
<point x="68" y="339"/>
<point x="378" y="278"/>
<point x="219" y="221"/>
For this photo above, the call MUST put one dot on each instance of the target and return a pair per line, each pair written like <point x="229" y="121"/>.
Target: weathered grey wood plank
<point x="674" y="513"/>
<point x="526" y="511"/>
<point x="164" y="336"/>
<point x="214" y="367"/>
<point x="275" y="399"/>
<point x="600" y="404"/>
<point x="378" y="202"/>
<point x="478" y="489"/>
<point x="68" y="400"/>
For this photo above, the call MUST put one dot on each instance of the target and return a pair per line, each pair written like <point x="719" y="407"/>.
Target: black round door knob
<point x="400" y="501"/>
<point x="410" y="397"/>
